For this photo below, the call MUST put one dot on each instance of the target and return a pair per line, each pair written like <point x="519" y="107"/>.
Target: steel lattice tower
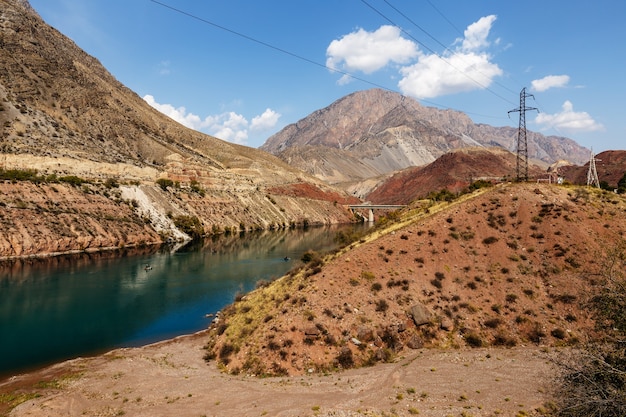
<point x="522" y="143"/>
<point x="592" y="173"/>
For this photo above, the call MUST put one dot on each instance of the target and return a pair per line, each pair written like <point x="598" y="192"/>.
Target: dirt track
<point x="171" y="378"/>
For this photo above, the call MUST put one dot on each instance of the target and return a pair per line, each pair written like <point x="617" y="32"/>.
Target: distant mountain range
<point x="376" y="132"/>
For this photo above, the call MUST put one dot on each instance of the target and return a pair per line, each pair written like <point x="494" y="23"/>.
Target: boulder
<point x="420" y="314"/>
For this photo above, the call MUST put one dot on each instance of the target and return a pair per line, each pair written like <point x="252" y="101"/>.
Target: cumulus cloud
<point x="265" y="121"/>
<point x="370" y="51"/>
<point x="475" y="36"/>
<point x="466" y="67"/>
<point x="569" y="120"/>
<point x="550" y="81"/>
<point x="229" y="126"/>
<point x="433" y="76"/>
<point x="177" y="113"/>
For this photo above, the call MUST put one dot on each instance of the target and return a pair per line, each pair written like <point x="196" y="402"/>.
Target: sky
<point x="241" y="70"/>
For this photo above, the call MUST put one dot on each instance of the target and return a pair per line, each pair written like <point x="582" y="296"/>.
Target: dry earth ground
<point x="171" y="379"/>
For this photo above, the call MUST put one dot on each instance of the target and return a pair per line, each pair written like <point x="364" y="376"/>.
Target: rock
<point x="446" y="324"/>
<point x="415" y="342"/>
<point x="420" y="314"/>
<point x="365" y="334"/>
<point x="356" y="341"/>
<point x="312" y="331"/>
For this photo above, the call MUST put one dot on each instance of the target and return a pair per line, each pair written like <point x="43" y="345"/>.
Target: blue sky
<point x="241" y="70"/>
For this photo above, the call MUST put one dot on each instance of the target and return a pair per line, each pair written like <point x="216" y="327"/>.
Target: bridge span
<point x="372" y="207"/>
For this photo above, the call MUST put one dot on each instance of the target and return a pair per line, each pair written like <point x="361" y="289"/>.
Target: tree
<point x="593" y="381"/>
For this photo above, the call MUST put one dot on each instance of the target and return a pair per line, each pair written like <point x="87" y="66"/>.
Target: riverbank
<point x="172" y="377"/>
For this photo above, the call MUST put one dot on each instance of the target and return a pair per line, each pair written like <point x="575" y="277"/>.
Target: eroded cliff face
<point x="45" y="219"/>
<point x="62" y="114"/>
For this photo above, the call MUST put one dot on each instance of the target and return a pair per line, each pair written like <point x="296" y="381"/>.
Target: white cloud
<point x="466" y="68"/>
<point x="568" y="120"/>
<point x="431" y="76"/>
<point x="265" y="121"/>
<point x="228" y="126"/>
<point x="177" y="113"/>
<point x="475" y="36"/>
<point x="370" y="51"/>
<point x="550" y="81"/>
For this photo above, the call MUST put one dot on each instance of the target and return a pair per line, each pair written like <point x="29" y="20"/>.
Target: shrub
<point x="310" y="256"/>
<point x="190" y="225"/>
<point x="382" y="305"/>
<point x="164" y="183"/>
<point x="489" y="240"/>
<point x="72" y="180"/>
<point x="511" y="298"/>
<point x="474" y="340"/>
<point x="197" y="188"/>
<point x="493" y="323"/>
<point x="344" y="358"/>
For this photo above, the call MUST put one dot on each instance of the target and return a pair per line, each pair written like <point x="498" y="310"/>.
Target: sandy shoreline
<point x="171" y="378"/>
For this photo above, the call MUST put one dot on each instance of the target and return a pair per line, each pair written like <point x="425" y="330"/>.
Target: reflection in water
<point x="62" y="307"/>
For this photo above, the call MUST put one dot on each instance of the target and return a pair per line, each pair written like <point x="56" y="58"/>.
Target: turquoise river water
<point x="68" y="306"/>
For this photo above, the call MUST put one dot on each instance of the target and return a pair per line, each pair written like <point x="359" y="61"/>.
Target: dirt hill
<point x="610" y="165"/>
<point x="74" y="131"/>
<point x="454" y="171"/>
<point x="510" y="266"/>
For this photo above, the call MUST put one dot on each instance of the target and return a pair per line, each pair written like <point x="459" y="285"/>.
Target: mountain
<point x="453" y="171"/>
<point x="65" y="116"/>
<point x="375" y="132"/>
<point x="610" y="166"/>
<point x="511" y="265"/>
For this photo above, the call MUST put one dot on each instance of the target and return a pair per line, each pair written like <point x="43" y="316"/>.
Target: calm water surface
<point x="71" y="306"/>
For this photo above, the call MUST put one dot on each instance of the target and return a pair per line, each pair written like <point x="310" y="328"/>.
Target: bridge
<point x="372" y="207"/>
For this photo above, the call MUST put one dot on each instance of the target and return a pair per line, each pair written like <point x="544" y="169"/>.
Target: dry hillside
<point x="93" y="151"/>
<point x="453" y="171"/>
<point x="509" y="266"/>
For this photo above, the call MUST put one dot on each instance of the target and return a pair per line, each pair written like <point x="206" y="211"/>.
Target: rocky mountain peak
<point x="386" y="131"/>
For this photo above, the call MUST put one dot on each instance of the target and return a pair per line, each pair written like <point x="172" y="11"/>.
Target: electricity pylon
<point x="592" y="174"/>
<point x="522" y="143"/>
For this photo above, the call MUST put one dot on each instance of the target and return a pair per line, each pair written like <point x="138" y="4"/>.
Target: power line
<point x="460" y="32"/>
<point x="441" y="44"/>
<point x="432" y="51"/>
<point x="260" y="42"/>
<point x="307" y="60"/>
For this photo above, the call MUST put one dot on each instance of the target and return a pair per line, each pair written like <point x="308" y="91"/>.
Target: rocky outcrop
<point x="43" y="219"/>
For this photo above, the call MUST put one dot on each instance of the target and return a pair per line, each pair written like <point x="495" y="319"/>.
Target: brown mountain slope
<point x="513" y="265"/>
<point x="610" y="165"/>
<point x="386" y="132"/>
<point x="63" y="114"/>
<point x="454" y="171"/>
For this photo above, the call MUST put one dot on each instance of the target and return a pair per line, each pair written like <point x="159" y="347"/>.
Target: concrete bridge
<point x="372" y="207"/>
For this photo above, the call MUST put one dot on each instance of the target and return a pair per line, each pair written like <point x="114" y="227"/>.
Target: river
<point x="69" y="306"/>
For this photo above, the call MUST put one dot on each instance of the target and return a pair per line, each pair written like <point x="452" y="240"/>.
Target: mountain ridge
<point x="385" y="132"/>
